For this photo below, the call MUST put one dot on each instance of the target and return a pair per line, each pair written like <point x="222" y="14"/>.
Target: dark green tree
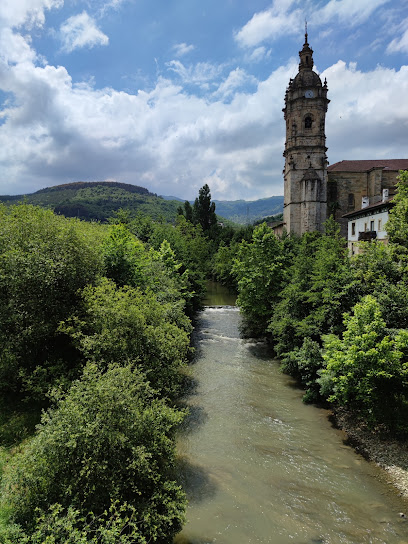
<point x="204" y="209"/>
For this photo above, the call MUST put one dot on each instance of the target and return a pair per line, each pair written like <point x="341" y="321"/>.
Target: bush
<point x="108" y="440"/>
<point x="122" y="324"/>
<point x="367" y="369"/>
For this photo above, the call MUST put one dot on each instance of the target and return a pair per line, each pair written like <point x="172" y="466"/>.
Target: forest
<point x="338" y="323"/>
<point x="95" y="325"/>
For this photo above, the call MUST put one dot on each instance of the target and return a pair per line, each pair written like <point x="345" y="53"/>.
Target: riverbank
<point x="389" y="454"/>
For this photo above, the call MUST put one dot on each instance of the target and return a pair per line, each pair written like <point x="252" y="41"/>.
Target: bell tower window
<point x="308" y="122"/>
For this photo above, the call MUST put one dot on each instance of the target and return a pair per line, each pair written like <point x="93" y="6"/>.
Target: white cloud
<point x="284" y="18"/>
<point x="172" y="142"/>
<point x="257" y="55"/>
<point x="270" y="24"/>
<point x="181" y="49"/>
<point x="81" y="31"/>
<point x="400" y="44"/>
<point x="14" y="13"/>
<point x="350" y="12"/>
<point x="236" y="79"/>
<point x="368" y="113"/>
<point x="197" y="74"/>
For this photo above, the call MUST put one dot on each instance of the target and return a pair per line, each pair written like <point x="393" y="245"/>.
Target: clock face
<point x="309" y="94"/>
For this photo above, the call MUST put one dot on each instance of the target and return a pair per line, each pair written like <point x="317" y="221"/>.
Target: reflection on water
<point x="218" y="295"/>
<point x="260" y="466"/>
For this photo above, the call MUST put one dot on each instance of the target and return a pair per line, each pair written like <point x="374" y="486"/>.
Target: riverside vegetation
<point x="95" y="323"/>
<point x="339" y="324"/>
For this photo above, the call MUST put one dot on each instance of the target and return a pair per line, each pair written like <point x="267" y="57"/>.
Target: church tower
<point x="305" y="174"/>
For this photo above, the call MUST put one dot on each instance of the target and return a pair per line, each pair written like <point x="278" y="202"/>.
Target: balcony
<point x="367" y="236"/>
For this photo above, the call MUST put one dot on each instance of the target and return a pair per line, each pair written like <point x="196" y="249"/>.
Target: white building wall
<point x="363" y="224"/>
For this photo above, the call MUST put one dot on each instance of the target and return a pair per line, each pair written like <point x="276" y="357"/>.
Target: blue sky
<point x="174" y="94"/>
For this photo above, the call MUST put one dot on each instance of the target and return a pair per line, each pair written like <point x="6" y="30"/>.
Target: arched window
<point x="308" y="122"/>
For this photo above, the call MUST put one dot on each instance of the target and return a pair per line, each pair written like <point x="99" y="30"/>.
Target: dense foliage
<point x="108" y="442"/>
<point x="338" y="323"/>
<point x="94" y="329"/>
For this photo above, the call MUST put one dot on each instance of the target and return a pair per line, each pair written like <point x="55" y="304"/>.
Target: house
<point x="369" y="222"/>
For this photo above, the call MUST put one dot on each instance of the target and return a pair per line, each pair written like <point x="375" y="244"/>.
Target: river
<point x="259" y="466"/>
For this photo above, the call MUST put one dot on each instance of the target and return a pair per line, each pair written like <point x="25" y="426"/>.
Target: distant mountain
<point x="248" y="211"/>
<point x="245" y="212"/>
<point x="172" y="198"/>
<point x="98" y="200"/>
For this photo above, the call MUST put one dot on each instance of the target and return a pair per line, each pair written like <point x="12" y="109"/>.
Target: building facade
<point x="368" y="223"/>
<point x="305" y="173"/>
<point x="351" y="182"/>
<point x="312" y="190"/>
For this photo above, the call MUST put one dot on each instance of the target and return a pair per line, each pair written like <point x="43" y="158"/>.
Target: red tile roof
<point x="365" y="166"/>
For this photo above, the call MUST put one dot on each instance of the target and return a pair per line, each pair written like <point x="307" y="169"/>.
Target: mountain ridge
<point x="99" y="200"/>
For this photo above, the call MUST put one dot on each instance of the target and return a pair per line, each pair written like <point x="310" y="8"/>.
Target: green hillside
<point x="98" y="200"/>
<point x="246" y="212"/>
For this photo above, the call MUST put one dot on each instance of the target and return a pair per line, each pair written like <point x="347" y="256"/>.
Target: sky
<point x="173" y="94"/>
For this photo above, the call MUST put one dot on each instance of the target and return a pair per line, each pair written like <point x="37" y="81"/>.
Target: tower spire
<point x="305" y="31"/>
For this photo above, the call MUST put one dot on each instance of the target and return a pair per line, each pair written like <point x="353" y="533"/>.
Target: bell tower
<point x="305" y="173"/>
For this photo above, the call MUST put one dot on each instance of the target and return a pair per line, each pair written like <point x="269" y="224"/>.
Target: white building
<point x="368" y="223"/>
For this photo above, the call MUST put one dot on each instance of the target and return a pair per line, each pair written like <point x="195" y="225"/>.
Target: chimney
<point x="385" y="194"/>
<point x="365" y="201"/>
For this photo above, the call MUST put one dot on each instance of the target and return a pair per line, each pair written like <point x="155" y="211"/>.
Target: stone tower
<point x="305" y="174"/>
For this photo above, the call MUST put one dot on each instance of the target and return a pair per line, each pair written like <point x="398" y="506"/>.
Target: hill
<point x="246" y="212"/>
<point x="98" y="200"/>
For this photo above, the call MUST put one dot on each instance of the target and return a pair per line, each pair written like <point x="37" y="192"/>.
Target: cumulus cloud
<point x="400" y="44"/>
<point x="368" y="114"/>
<point x="284" y="18"/>
<point x="196" y="74"/>
<point x="14" y="13"/>
<point x="236" y="79"/>
<point x="349" y="12"/>
<point x="81" y="31"/>
<point x="257" y="55"/>
<point x="181" y="49"/>
<point x="270" y="24"/>
<point x="172" y="141"/>
<point x="174" y="137"/>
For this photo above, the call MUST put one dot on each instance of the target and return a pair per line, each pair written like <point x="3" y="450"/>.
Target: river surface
<point x="259" y="466"/>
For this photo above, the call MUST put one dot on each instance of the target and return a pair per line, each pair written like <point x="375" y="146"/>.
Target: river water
<point x="259" y="466"/>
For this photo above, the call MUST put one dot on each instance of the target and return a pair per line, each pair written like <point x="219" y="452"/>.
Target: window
<point x="351" y="200"/>
<point x="371" y="225"/>
<point x="308" y="122"/>
<point x="379" y="224"/>
<point x="353" y="228"/>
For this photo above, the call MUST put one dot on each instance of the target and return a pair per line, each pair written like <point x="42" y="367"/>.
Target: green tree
<point x="397" y="225"/>
<point x="204" y="209"/>
<point x="259" y="269"/>
<point x="109" y="440"/>
<point x="45" y="260"/>
<point x="122" y="324"/>
<point x="367" y="368"/>
<point x="319" y="288"/>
